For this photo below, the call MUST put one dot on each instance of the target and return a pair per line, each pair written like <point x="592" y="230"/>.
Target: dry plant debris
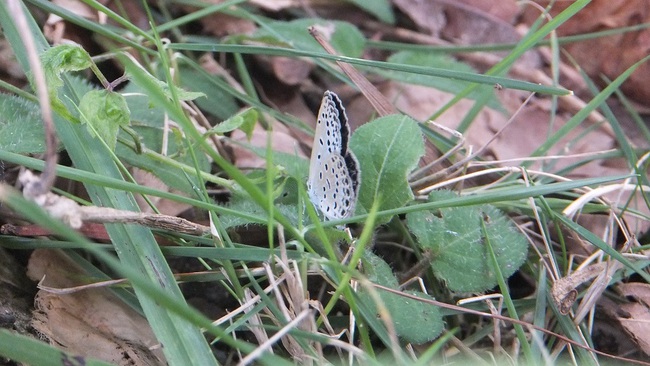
<point x="285" y="295"/>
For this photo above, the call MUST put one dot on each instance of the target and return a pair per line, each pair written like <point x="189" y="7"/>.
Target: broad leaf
<point x="454" y="236"/>
<point x="415" y="321"/>
<point x="63" y="58"/>
<point x="57" y="60"/>
<point x="387" y="149"/>
<point x="21" y="126"/>
<point x="105" y="111"/>
<point x="217" y="102"/>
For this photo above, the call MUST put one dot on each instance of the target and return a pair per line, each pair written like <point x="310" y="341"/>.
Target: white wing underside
<point x="332" y="186"/>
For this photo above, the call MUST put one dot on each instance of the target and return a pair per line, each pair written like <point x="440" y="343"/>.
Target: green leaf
<point x="143" y="112"/>
<point x="29" y="351"/>
<point x="245" y="119"/>
<point x="293" y="165"/>
<point x="440" y="61"/>
<point x="105" y="111"/>
<point x="387" y="148"/>
<point x="147" y="121"/>
<point x="183" y="342"/>
<point x="163" y="86"/>
<point x="63" y="58"/>
<point x="378" y="271"/>
<point x="344" y="37"/>
<point x="242" y="204"/>
<point x="415" y="321"/>
<point x="59" y="59"/>
<point x="459" y="255"/>
<point x="172" y="176"/>
<point x="379" y="8"/>
<point x="216" y="102"/>
<point x="21" y="126"/>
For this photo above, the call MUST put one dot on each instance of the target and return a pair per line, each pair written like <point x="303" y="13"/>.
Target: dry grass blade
<point x="378" y="101"/>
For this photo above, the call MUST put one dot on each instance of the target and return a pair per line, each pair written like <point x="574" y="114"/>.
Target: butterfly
<point x="334" y="177"/>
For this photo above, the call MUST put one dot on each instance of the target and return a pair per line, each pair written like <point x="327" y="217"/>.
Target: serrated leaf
<point x="415" y="321"/>
<point x="459" y="253"/>
<point x="388" y="149"/>
<point x="21" y="126"/>
<point x="379" y="8"/>
<point x="335" y="238"/>
<point x="441" y="61"/>
<point x="105" y="111"/>
<point x="57" y="60"/>
<point x="250" y="119"/>
<point x="343" y="36"/>
<point x="378" y="271"/>
<point x="63" y="58"/>
<point x="509" y="245"/>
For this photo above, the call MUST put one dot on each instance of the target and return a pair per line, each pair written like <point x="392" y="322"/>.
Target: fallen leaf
<point x="91" y="322"/>
<point x="611" y="55"/>
<point x="633" y="315"/>
<point x="220" y="25"/>
<point x="282" y="140"/>
<point x="289" y="71"/>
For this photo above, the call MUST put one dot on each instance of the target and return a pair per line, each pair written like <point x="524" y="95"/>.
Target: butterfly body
<point x="333" y="183"/>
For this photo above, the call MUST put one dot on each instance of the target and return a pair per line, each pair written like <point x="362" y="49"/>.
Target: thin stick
<point x="51" y="157"/>
<point x="378" y="100"/>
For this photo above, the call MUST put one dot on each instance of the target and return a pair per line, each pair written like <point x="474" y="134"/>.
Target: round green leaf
<point x="414" y="321"/>
<point x="388" y="149"/>
<point x="455" y="237"/>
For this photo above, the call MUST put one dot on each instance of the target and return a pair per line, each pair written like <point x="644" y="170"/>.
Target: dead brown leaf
<point x="289" y="71"/>
<point x="93" y="322"/>
<point x="277" y="5"/>
<point x="8" y="63"/>
<point x="56" y="30"/>
<point x="610" y="55"/>
<point x="282" y="140"/>
<point x="633" y="316"/>
<point x="506" y="10"/>
<point x="221" y="25"/>
<point x="164" y="206"/>
<point x="468" y="22"/>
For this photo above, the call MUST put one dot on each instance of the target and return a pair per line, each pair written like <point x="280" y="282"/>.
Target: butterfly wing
<point x="328" y="138"/>
<point x="333" y="170"/>
<point x="335" y="191"/>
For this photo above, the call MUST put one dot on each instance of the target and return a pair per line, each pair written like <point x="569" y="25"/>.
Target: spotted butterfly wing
<point x="333" y="183"/>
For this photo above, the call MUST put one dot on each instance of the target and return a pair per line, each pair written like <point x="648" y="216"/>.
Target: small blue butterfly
<point x="334" y="176"/>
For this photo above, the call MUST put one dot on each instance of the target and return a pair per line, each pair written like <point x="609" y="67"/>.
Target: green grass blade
<point x="584" y="112"/>
<point x="29" y="351"/>
<point x="183" y="343"/>
<point x="465" y="76"/>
